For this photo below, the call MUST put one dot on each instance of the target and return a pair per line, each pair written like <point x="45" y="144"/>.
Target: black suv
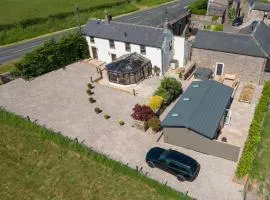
<point x="181" y="165"/>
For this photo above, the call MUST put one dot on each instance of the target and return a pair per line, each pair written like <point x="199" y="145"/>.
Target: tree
<point x="142" y="113"/>
<point x="169" y="89"/>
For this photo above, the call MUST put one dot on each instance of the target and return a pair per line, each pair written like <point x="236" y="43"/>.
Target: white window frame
<point x="222" y="69"/>
<point x="228" y="117"/>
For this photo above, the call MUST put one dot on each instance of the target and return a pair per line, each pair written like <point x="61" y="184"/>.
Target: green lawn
<point x="36" y="163"/>
<point x="261" y="166"/>
<point x="15" y="10"/>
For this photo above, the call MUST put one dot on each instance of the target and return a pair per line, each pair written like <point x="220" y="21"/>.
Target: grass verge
<point x="261" y="165"/>
<point x="245" y="163"/>
<point x="37" y="163"/>
<point x="10" y="66"/>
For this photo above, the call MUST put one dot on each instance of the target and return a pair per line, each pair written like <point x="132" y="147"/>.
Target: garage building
<point x="198" y="116"/>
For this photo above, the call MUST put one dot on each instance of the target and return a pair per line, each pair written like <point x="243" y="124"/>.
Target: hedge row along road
<point x="18" y="50"/>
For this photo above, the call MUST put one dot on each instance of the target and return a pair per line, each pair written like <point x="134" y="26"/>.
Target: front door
<point x="219" y="69"/>
<point x="94" y="52"/>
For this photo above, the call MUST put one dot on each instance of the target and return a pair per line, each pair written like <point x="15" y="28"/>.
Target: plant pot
<point x="140" y="125"/>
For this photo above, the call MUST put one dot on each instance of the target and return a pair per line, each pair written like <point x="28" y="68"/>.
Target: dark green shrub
<point x="198" y="7"/>
<point x="121" y="123"/>
<point x="53" y="55"/>
<point x="254" y="136"/>
<point x="107" y="116"/>
<point x="89" y="92"/>
<point x="90" y="86"/>
<point x="98" y="110"/>
<point x="92" y="100"/>
<point x="156" y="70"/>
<point x="169" y="89"/>
<point x="154" y="123"/>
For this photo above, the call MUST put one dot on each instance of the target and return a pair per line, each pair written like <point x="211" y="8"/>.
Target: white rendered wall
<point x="181" y="50"/>
<point x="104" y="51"/>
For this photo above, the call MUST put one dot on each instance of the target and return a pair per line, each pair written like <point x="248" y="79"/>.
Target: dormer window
<point x="112" y="46"/>
<point x="143" y="50"/>
<point x="92" y="40"/>
<point x="127" y="46"/>
<point x="170" y="45"/>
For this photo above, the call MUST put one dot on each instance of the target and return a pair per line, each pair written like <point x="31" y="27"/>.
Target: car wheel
<point x="180" y="178"/>
<point x="151" y="164"/>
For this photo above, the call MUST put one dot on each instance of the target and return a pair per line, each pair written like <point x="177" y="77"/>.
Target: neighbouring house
<point x="177" y="16"/>
<point x="109" y="40"/>
<point x="259" y="10"/>
<point x="129" y="69"/>
<point x="246" y="55"/>
<point x="197" y="118"/>
<point x="220" y="8"/>
<point x="217" y="7"/>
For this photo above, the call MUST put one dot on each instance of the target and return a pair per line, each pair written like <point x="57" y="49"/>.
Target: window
<point x="219" y="69"/>
<point x="92" y="40"/>
<point x="143" y="50"/>
<point x="113" y="57"/>
<point x="128" y="47"/>
<point x="111" y="44"/>
<point x="178" y="167"/>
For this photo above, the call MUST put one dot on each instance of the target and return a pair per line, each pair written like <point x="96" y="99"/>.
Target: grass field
<point x="39" y="164"/>
<point x="17" y="10"/>
<point x="261" y="167"/>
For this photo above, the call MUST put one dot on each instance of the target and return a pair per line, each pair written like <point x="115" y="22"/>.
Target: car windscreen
<point x="163" y="155"/>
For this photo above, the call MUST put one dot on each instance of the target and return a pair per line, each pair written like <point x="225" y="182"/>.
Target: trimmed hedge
<point x="198" y="7"/>
<point x="53" y="55"/>
<point x="254" y="137"/>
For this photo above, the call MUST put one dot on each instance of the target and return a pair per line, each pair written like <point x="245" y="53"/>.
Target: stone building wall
<point x="248" y="68"/>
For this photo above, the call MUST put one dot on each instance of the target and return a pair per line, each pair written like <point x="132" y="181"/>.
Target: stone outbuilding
<point x="246" y="55"/>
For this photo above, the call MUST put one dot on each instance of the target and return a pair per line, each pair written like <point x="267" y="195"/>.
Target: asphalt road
<point x="18" y="50"/>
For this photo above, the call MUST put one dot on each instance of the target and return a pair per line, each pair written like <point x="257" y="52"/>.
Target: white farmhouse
<point x="108" y="40"/>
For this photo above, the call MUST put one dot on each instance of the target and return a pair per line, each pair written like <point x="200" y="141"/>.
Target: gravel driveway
<point x="59" y="101"/>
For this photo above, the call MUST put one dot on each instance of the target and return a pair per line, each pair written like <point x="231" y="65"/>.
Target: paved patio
<point x="242" y="114"/>
<point x="59" y="101"/>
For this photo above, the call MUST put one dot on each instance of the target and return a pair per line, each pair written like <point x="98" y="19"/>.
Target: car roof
<point x="180" y="158"/>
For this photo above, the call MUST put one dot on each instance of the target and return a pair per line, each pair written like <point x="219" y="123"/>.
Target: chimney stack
<point x="108" y="17"/>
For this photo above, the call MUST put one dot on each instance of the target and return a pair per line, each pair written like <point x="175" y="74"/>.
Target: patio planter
<point x="140" y="125"/>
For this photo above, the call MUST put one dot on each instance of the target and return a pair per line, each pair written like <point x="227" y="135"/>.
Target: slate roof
<point x="215" y="10"/>
<point x="262" y="35"/>
<point x="256" y="44"/>
<point x="136" y="34"/>
<point x="261" y="6"/>
<point x="171" y="13"/>
<point x="203" y="111"/>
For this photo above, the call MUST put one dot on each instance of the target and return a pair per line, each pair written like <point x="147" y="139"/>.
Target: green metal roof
<point x="200" y="108"/>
